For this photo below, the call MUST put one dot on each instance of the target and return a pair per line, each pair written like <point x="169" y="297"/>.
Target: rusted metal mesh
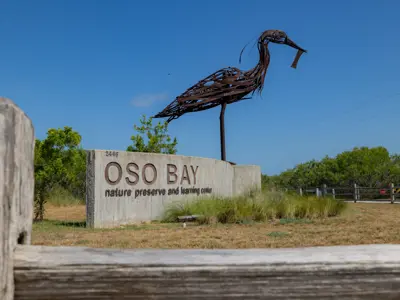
<point x="226" y="85"/>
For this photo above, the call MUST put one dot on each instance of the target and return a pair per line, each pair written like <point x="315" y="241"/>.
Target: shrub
<point x="257" y="207"/>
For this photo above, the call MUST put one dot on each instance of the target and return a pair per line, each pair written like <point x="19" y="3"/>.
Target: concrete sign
<point x="130" y="187"/>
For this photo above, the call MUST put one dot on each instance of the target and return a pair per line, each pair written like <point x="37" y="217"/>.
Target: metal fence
<point x="352" y="193"/>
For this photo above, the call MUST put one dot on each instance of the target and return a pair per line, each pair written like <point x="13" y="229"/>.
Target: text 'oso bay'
<point x="149" y="174"/>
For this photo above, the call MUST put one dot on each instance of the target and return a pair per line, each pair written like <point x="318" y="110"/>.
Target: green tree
<point x="152" y="138"/>
<point x="368" y="167"/>
<point x="59" y="162"/>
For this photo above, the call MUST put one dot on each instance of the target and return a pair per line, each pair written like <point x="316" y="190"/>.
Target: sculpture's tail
<point x="172" y="111"/>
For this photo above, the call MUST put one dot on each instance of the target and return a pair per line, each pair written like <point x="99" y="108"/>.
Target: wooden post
<point x="16" y="188"/>
<point x="324" y="190"/>
<point x="355" y="193"/>
<point x="333" y="193"/>
<point x="317" y="192"/>
<point x="392" y="195"/>
<point x="300" y="191"/>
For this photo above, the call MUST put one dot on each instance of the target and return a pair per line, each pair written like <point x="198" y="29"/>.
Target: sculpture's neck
<point x="260" y="70"/>
<point x="264" y="56"/>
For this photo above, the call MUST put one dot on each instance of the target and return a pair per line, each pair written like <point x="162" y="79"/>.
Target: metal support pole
<point x="222" y="130"/>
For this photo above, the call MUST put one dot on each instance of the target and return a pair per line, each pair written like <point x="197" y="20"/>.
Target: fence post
<point x="392" y="195"/>
<point x="300" y="191"/>
<point x="16" y="189"/>
<point x="333" y="193"/>
<point x="355" y="194"/>
<point x="324" y="190"/>
<point x="317" y="192"/>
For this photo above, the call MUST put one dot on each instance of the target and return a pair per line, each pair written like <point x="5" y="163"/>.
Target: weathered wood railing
<point x="37" y="272"/>
<point x="354" y="193"/>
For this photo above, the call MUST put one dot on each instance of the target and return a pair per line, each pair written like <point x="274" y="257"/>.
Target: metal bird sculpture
<point x="229" y="85"/>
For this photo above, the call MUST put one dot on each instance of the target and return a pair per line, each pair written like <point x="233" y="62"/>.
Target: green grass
<point x="255" y="207"/>
<point x="62" y="197"/>
<point x="48" y="225"/>
<point x="58" y="225"/>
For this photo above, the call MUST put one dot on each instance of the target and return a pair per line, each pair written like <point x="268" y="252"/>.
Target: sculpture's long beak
<point x="300" y="51"/>
<point x="292" y="44"/>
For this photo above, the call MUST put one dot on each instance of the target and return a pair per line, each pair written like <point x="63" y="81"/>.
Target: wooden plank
<point x="16" y="188"/>
<point x="342" y="272"/>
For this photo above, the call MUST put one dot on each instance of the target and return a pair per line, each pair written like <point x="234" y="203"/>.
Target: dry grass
<point x="362" y="223"/>
<point x="62" y="213"/>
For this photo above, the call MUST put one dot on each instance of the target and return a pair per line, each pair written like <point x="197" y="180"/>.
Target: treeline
<point x="368" y="167"/>
<point x="60" y="161"/>
<point x="60" y="165"/>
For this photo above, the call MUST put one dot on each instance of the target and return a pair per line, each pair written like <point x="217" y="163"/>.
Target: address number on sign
<point x="112" y="153"/>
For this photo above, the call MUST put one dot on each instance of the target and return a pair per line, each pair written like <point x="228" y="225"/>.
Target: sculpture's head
<point x="280" y="37"/>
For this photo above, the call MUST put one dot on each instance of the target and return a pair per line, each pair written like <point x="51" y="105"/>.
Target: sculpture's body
<point x="228" y="85"/>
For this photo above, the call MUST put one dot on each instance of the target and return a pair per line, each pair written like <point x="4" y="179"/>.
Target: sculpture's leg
<point x="222" y="131"/>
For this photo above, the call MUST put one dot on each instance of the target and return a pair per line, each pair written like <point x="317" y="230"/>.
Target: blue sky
<point x="99" y="65"/>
